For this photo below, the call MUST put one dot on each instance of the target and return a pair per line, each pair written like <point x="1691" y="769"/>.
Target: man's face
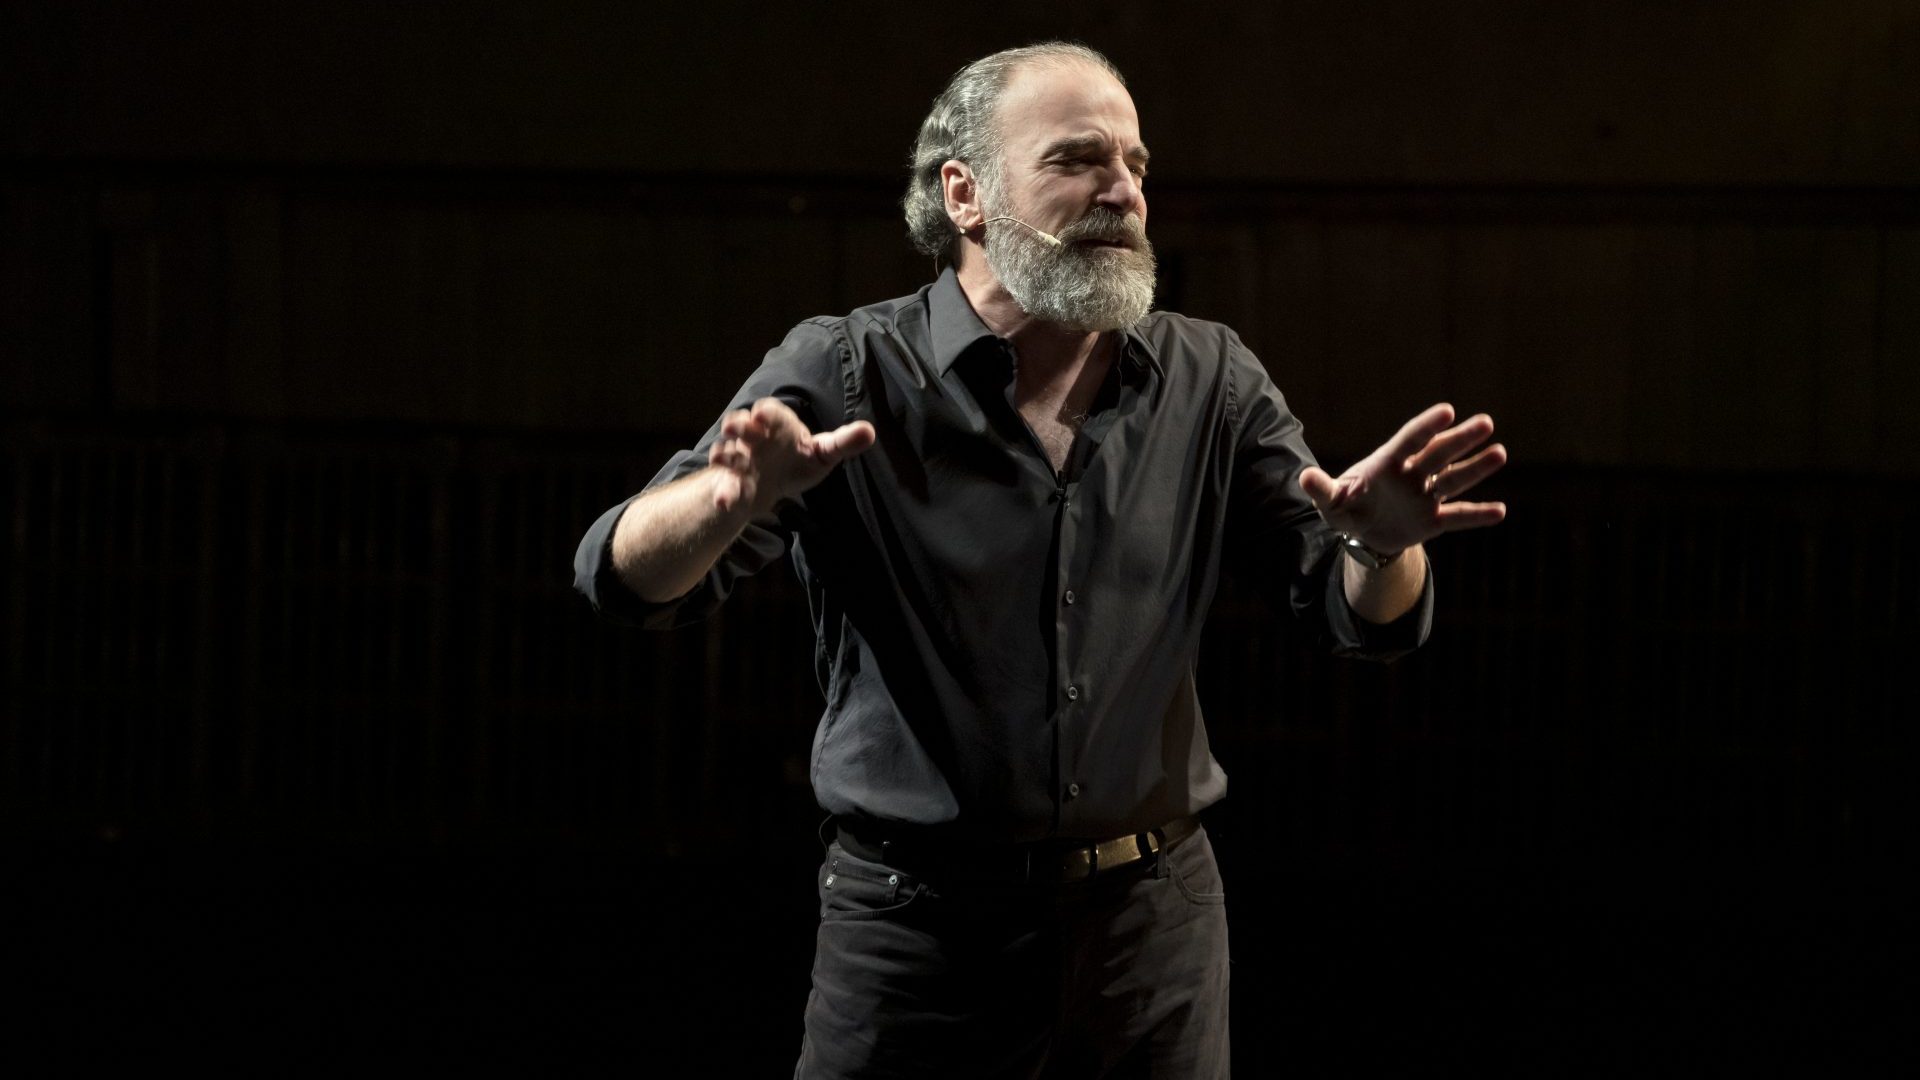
<point x="1072" y="164"/>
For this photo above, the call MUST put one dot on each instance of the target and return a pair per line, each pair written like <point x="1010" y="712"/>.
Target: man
<point x="1010" y="496"/>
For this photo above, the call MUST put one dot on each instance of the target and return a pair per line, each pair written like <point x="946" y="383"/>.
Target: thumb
<point x="849" y="440"/>
<point x="1320" y="487"/>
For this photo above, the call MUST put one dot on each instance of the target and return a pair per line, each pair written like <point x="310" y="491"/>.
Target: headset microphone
<point x="1052" y="240"/>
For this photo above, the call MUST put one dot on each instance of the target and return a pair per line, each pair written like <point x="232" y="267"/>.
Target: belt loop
<point x="1160" y="856"/>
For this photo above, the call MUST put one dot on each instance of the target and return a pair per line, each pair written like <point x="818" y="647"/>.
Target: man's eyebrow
<point x="1074" y="145"/>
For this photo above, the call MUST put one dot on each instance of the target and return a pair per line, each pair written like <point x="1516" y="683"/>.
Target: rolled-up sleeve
<point x="805" y="372"/>
<point x="1351" y="635"/>
<point x="1280" y="540"/>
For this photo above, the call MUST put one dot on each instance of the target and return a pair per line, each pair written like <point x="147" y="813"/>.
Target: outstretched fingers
<point x="774" y="415"/>
<point x="1454" y="479"/>
<point x="745" y="433"/>
<point x="1449" y="445"/>
<point x="1419" y="431"/>
<point x="743" y="424"/>
<point x="848" y="440"/>
<point x="1455" y="516"/>
<point x="732" y="454"/>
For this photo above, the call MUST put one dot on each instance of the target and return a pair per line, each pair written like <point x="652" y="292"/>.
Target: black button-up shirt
<point x="1007" y="653"/>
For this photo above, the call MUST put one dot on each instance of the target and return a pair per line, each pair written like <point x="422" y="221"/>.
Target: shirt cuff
<point x="595" y="578"/>
<point x="1356" y="637"/>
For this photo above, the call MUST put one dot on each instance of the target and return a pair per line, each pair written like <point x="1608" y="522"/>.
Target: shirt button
<point x="1069" y="596"/>
<point x="1073" y="693"/>
<point x="1073" y="791"/>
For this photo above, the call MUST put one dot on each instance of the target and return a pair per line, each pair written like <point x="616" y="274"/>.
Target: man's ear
<point x="962" y="195"/>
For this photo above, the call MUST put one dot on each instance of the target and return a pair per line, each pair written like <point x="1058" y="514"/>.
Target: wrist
<point x="1367" y="555"/>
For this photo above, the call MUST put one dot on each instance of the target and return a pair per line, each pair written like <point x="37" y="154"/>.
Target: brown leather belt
<point x="1045" y="860"/>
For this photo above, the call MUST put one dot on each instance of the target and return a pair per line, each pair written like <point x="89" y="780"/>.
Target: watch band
<point x="1359" y="552"/>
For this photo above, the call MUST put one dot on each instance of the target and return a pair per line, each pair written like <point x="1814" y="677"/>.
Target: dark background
<point x="325" y="329"/>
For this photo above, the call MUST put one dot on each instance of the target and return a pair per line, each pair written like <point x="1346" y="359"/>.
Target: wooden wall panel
<point x="606" y="294"/>
<point x="1769" y="334"/>
<point x="1208" y="270"/>
<point x="1785" y="346"/>
<point x="256" y="292"/>
<point x="373" y="635"/>
<point x="1501" y="91"/>
<point x="872" y="261"/>
<point x="1291" y="317"/>
<point x="775" y="270"/>
<point x="49" y="355"/>
<point x="385" y="314"/>
<point x="691" y="379"/>
<point x="1656" y="340"/>
<point x="1897" y="352"/>
<point x="1484" y="265"/>
<point x="1567" y="366"/>
<point x="129" y="278"/>
<point x="1386" y="353"/>
<point x="1725" y="432"/>
<point x="557" y="291"/>
<point x="1847" y="289"/>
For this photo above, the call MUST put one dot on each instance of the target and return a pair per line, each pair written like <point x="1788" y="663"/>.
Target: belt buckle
<point x="1085" y="861"/>
<point x="1080" y="862"/>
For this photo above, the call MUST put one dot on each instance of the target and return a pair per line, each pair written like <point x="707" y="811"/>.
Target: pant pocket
<point x="853" y="888"/>
<point x="1194" y="872"/>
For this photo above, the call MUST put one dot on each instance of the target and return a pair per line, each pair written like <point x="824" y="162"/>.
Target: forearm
<point x="1383" y="595"/>
<point x="669" y="538"/>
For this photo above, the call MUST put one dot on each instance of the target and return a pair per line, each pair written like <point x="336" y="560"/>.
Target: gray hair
<point x="963" y="125"/>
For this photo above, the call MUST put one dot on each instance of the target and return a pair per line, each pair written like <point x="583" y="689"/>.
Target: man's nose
<point x="1122" y="192"/>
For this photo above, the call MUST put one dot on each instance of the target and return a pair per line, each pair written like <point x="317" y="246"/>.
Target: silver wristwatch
<point x="1359" y="552"/>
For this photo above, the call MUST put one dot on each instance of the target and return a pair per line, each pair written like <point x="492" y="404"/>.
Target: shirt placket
<point x="1075" y="696"/>
<point x="1078" y="690"/>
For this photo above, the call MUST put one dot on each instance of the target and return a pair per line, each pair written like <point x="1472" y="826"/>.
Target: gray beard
<point x="1081" y="288"/>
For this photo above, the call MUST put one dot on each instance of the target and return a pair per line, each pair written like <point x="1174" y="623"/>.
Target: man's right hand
<point x="671" y="536"/>
<point x="765" y="454"/>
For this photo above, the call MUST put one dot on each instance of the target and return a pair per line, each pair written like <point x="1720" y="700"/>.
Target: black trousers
<point x="1123" y="974"/>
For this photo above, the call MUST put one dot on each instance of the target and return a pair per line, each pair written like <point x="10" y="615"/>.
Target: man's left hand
<point x="1405" y="492"/>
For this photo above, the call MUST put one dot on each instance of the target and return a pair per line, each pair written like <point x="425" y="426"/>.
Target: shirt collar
<point x="957" y="331"/>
